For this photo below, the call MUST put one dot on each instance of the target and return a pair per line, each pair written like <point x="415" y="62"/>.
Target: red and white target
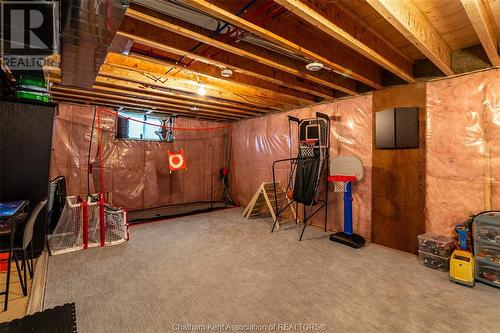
<point x="176" y="160"/>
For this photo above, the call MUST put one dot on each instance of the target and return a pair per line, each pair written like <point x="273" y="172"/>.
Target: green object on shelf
<point x="35" y="96"/>
<point x="27" y="81"/>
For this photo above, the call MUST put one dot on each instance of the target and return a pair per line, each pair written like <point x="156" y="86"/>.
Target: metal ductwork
<point x="87" y="30"/>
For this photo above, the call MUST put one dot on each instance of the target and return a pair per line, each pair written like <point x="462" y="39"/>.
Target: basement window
<point x="144" y="126"/>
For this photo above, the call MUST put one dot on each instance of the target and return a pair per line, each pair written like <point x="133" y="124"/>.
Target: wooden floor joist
<point x="186" y="86"/>
<point x="61" y="90"/>
<point x="409" y="21"/>
<point x="298" y="40"/>
<point x="333" y="21"/>
<point x="214" y="72"/>
<point x="167" y="71"/>
<point x="156" y="96"/>
<point x="180" y="47"/>
<point x="192" y="99"/>
<point x="154" y="90"/>
<point x="482" y="20"/>
<point x="250" y="52"/>
<point x="135" y="106"/>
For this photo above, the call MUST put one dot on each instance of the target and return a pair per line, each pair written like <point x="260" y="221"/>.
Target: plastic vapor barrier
<point x="463" y="148"/>
<point x="260" y="141"/>
<point x="136" y="172"/>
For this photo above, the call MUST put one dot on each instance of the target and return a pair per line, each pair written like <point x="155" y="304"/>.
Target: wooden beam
<point x="190" y="86"/>
<point x="172" y="96"/>
<point x="155" y="90"/>
<point x="136" y="104"/>
<point x="409" y="21"/>
<point x="149" y="101"/>
<point x="256" y="54"/>
<point x="481" y="18"/>
<point x="162" y="68"/>
<point x="84" y="101"/>
<point x="317" y="49"/>
<point x="136" y="93"/>
<point x="349" y="32"/>
<point x="180" y="46"/>
<point x="214" y="72"/>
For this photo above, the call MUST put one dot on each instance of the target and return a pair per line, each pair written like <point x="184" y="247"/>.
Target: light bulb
<point x="201" y="89"/>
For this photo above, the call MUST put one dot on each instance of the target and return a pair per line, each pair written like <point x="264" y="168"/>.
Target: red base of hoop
<point x="339" y="178"/>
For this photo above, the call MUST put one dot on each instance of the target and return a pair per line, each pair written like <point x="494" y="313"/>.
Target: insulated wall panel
<point x="136" y="172"/>
<point x="463" y="158"/>
<point x="260" y="141"/>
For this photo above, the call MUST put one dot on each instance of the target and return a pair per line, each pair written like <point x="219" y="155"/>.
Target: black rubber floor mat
<point x="61" y="319"/>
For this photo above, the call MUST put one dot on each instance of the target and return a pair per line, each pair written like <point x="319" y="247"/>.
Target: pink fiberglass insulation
<point x="260" y="141"/>
<point x="136" y="172"/>
<point x="463" y="154"/>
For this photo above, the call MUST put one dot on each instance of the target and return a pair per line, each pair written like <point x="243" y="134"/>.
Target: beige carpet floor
<point x="218" y="268"/>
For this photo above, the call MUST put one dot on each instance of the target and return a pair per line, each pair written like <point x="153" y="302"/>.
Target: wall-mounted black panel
<point x="385" y="137"/>
<point x="25" y="149"/>
<point x="406" y="123"/>
<point x="396" y="128"/>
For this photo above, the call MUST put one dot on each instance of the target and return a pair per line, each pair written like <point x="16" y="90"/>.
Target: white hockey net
<point x="69" y="233"/>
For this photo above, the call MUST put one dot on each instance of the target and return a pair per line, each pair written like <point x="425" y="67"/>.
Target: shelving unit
<point x="486" y="231"/>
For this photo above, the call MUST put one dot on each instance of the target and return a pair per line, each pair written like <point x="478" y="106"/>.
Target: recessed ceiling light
<point x="314" y="66"/>
<point x="194" y="108"/>
<point x="201" y="89"/>
<point x="226" y="72"/>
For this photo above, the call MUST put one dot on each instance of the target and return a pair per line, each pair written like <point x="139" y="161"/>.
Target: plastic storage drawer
<point x="488" y="233"/>
<point x="488" y="255"/>
<point x="438" y="245"/>
<point x="488" y="274"/>
<point x="434" y="261"/>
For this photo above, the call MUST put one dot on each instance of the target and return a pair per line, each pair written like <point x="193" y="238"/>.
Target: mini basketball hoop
<point x="344" y="171"/>
<point x="340" y="182"/>
<point x="307" y="147"/>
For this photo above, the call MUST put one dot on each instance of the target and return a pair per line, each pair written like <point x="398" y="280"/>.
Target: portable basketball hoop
<point x="340" y="182"/>
<point x="345" y="170"/>
<point x="306" y="147"/>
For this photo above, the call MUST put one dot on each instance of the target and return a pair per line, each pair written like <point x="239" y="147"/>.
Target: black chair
<point x="21" y="246"/>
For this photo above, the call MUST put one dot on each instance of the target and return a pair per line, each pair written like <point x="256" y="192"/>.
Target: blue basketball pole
<point x="347" y="237"/>
<point x="348" y="209"/>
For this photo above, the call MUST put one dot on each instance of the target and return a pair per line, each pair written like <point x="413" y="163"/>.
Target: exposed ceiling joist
<point x="180" y="46"/>
<point x="188" y="86"/>
<point x="187" y="83"/>
<point x="138" y="93"/>
<point x="214" y="72"/>
<point x="125" y="87"/>
<point x="329" y="18"/>
<point x="159" y="67"/>
<point x="412" y="23"/>
<point x="156" y="90"/>
<point x="110" y="92"/>
<point x="147" y="104"/>
<point x="351" y="66"/>
<point x="112" y="104"/>
<point x="482" y="20"/>
<point x="251" y="52"/>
